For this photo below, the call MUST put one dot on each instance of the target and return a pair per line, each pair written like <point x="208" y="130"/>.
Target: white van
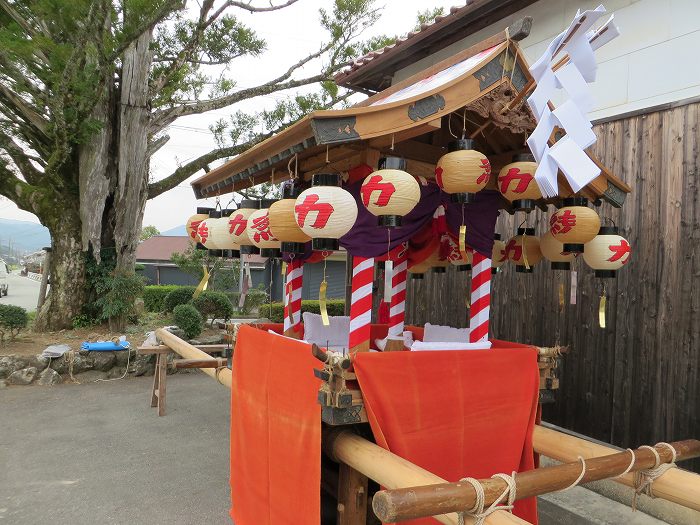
<point x="4" y="271"/>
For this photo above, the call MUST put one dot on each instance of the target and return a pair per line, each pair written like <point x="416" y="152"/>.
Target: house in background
<point x="155" y="253"/>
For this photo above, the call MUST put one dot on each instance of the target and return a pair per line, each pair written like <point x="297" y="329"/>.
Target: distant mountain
<point x="25" y="235"/>
<point x="177" y="231"/>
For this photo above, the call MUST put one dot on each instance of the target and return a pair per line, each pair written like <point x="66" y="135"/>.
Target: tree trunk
<point x="67" y="274"/>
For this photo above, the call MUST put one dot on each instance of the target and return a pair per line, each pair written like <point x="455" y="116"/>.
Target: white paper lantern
<point x="238" y="225"/>
<point x="462" y="171"/>
<point x="390" y="193"/>
<point x="204" y="231"/>
<point x="259" y="233"/>
<point x="283" y="224"/>
<point x="325" y="212"/>
<point x="498" y="253"/>
<point x="220" y="236"/>
<point x="607" y="252"/>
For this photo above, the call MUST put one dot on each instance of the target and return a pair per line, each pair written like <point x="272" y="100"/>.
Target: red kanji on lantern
<point x="195" y="227"/>
<point x="514" y="247"/>
<point x="562" y="223"/>
<point x="484" y="177"/>
<point x="203" y="232"/>
<point x="523" y="179"/>
<point x="385" y="189"/>
<point x="620" y="251"/>
<point x="438" y="176"/>
<point x="504" y="255"/>
<point x="236" y="225"/>
<point x="262" y="225"/>
<point x="323" y="210"/>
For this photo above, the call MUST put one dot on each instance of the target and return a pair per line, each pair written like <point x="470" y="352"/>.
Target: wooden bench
<point x="161" y="371"/>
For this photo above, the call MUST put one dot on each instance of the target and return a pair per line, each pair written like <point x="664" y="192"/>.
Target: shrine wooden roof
<point x="463" y="95"/>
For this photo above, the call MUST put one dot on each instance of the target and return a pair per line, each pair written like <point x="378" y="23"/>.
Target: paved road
<point x="97" y="453"/>
<point x="23" y="292"/>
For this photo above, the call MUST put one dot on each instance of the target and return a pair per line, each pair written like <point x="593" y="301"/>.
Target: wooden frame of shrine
<point x="480" y="94"/>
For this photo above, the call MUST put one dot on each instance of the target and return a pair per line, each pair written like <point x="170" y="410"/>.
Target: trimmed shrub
<point x="213" y="304"/>
<point x="12" y="320"/>
<point x="180" y="295"/>
<point x="275" y="312"/>
<point x="254" y="299"/>
<point x="154" y="296"/>
<point x="188" y="319"/>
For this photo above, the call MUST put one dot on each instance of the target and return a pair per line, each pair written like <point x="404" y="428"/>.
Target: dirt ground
<point x="29" y="342"/>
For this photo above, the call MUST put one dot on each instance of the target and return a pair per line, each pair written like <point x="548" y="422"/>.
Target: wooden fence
<point x="638" y="380"/>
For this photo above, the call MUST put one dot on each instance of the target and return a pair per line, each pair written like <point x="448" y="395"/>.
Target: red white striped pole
<point x="480" y="298"/>
<point x="397" y="308"/>
<point x="292" y="298"/>
<point x="361" y="303"/>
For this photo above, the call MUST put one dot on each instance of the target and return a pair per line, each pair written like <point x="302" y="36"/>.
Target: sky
<point x="291" y="34"/>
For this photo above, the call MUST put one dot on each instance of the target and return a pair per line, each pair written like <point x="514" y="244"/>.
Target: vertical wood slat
<point x="638" y="380"/>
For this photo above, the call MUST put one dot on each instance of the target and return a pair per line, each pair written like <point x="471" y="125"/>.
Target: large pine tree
<point x="88" y="89"/>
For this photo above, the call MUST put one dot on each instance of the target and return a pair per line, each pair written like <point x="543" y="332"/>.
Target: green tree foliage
<point x="188" y="319"/>
<point x="13" y="319"/>
<point x="223" y="274"/>
<point x="180" y="295"/>
<point x="88" y="89"/>
<point x="214" y="305"/>
<point x="427" y="16"/>
<point x="147" y="232"/>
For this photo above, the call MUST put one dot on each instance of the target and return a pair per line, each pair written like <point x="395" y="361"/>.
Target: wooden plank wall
<point x="638" y="380"/>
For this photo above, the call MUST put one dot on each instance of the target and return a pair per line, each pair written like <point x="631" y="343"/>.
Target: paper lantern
<point x="498" y="253"/>
<point x="204" y="232"/>
<point x="219" y="233"/>
<point x="516" y="182"/>
<point x="553" y="251"/>
<point x="390" y="193"/>
<point x="258" y="230"/>
<point x="462" y="171"/>
<point x="607" y="252"/>
<point x="575" y="224"/>
<point x="325" y="212"/>
<point x="524" y="248"/>
<point x="238" y="224"/>
<point x="283" y="224"/>
<point x="193" y="224"/>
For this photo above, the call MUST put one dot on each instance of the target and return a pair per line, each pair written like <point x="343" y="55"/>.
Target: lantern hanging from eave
<point x="390" y="192"/>
<point x="607" y="252"/>
<point x="259" y="233"/>
<point x="516" y="182"/>
<point x="498" y="253"/>
<point x="325" y="212"/>
<point x="219" y="232"/>
<point x="193" y="224"/>
<point x="574" y="224"/>
<point x="204" y="232"/>
<point x="462" y="171"/>
<point x="553" y="251"/>
<point x="524" y="250"/>
<point x="283" y="224"/>
<point x="238" y="224"/>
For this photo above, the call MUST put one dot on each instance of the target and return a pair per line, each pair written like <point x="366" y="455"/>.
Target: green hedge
<point x="154" y="296"/>
<point x="275" y="311"/>
<point x="216" y="305"/>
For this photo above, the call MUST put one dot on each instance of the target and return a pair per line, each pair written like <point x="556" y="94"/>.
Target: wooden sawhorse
<point x="161" y="371"/>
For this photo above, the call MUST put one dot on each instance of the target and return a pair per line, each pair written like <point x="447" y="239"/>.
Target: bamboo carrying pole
<point x="677" y="485"/>
<point x="418" y="502"/>
<point x="186" y="350"/>
<point x="392" y="471"/>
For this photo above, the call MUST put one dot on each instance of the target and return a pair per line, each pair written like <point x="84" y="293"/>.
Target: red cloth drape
<point x="275" y="432"/>
<point x="456" y="414"/>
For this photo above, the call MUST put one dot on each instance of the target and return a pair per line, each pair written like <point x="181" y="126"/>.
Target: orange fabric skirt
<point x="456" y="414"/>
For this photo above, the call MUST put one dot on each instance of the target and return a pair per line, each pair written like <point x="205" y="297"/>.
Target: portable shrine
<point x="326" y="410"/>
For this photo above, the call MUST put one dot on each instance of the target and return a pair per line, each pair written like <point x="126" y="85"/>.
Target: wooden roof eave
<point x="334" y="127"/>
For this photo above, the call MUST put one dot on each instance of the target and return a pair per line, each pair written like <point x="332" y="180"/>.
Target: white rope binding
<point x="477" y="511"/>
<point x="644" y="479"/>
